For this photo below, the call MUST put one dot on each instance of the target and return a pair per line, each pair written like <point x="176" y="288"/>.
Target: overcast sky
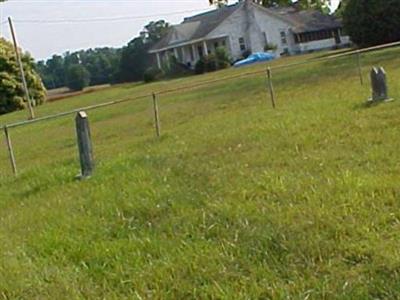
<point x="43" y="40"/>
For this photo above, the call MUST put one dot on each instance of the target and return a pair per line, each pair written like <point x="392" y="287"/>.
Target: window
<point x="216" y="45"/>
<point x="191" y="54"/>
<point x="223" y="43"/>
<point x="242" y="44"/>
<point x="180" y="54"/>
<point x="314" y="36"/>
<point x="283" y="37"/>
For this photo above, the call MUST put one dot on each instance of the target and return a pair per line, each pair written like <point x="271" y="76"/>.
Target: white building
<point x="246" y="26"/>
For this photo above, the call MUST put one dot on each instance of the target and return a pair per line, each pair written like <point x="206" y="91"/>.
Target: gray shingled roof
<point x="203" y="23"/>
<point x="198" y="26"/>
<point x="307" y="20"/>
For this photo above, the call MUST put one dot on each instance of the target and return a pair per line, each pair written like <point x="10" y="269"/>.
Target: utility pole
<point x="21" y="68"/>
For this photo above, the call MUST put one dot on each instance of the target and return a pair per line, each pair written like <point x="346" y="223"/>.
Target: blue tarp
<point x="254" y="58"/>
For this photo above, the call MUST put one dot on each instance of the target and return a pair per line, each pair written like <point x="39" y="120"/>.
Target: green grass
<point x="235" y="201"/>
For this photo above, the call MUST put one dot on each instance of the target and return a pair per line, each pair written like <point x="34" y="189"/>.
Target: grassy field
<point x="234" y="201"/>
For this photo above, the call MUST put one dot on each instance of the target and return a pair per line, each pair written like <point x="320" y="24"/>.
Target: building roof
<point x="307" y="20"/>
<point x="198" y="26"/>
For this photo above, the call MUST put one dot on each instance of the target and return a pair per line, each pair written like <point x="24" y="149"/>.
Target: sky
<point x="43" y="40"/>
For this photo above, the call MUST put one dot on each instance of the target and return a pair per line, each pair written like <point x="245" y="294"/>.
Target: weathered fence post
<point x="360" y="67"/>
<point x="84" y="144"/>
<point x="379" y="85"/>
<point x="271" y="87"/>
<point x="156" y="115"/>
<point x="21" y="69"/>
<point x="10" y="151"/>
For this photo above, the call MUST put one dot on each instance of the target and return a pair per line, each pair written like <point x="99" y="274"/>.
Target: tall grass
<point x="235" y="201"/>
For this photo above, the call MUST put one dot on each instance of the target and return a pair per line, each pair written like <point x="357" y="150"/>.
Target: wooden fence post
<point x="21" y="69"/>
<point x="10" y="151"/>
<point x="359" y="67"/>
<point x="156" y="115"/>
<point x="271" y="87"/>
<point x="84" y="145"/>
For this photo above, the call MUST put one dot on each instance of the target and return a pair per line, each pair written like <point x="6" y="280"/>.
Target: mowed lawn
<point x="236" y="200"/>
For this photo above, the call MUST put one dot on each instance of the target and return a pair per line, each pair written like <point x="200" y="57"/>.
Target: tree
<point x="77" y="77"/>
<point x="53" y="73"/>
<point x="135" y="59"/>
<point x="372" y="22"/>
<point x="106" y="65"/>
<point x="102" y="64"/>
<point x="12" y="95"/>
<point x="154" y="31"/>
<point x="342" y="5"/>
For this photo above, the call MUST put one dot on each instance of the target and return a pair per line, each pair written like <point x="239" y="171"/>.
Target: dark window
<point x="180" y="54"/>
<point x="283" y="38"/>
<point x="216" y="45"/>
<point x="315" y="36"/>
<point x="242" y="44"/>
<point x="200" y="51"/>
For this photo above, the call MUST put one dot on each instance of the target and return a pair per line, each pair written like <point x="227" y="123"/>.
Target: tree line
<point x="79" y="69"/>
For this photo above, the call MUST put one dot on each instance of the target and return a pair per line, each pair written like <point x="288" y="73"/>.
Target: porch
<point x="190" y="52"/>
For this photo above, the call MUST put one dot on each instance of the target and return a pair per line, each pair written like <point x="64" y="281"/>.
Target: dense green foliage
<point x="12" y="95"/>
<point x="101" y="63"/>
<point x="77" y="77"/>
<point x="213" y="62"/>
<point x="236" y="200"/>
<point x="106" y="65"/>
<point x="135" y="59"/>
<point x="372" y="22"/>
<point x="152" y="74"/>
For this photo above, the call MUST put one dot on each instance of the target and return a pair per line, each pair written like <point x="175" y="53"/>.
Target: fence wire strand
<point x="201" y="84"/>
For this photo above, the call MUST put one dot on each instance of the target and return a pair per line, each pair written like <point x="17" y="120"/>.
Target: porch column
<point x="176" y="53"/>
<point x="184" y="60"/>
<point x="205" y="49"/>
<point x="158" y="60"/>
<point x="230" y="46"/>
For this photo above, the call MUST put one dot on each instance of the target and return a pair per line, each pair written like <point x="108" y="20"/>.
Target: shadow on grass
<point x="370" y="104"/>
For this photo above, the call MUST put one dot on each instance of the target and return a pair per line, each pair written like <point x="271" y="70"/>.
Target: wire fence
<point x="267" y="72"/>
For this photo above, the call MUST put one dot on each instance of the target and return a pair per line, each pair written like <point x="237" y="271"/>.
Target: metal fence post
<point x="10" y="151"/>
<point x="84" y="144"/>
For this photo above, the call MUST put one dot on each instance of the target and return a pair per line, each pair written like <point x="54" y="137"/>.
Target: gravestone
<point x="84" y="145"/>
<point x="379" y="85"/>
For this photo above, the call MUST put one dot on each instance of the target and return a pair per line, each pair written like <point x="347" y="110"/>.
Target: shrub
<point x="12" y="94"/>
<point x="246" y="53"/>
<point x="213" y="62"/>
<point x="210" y="63"/>
<point x="173" y="68"/>
<point x="152" y="74"/>
<point x="200" y="68"/>
<point x="222" y="57"/>
<point x="270" y="47"/>
<point x="77" y="77"/>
